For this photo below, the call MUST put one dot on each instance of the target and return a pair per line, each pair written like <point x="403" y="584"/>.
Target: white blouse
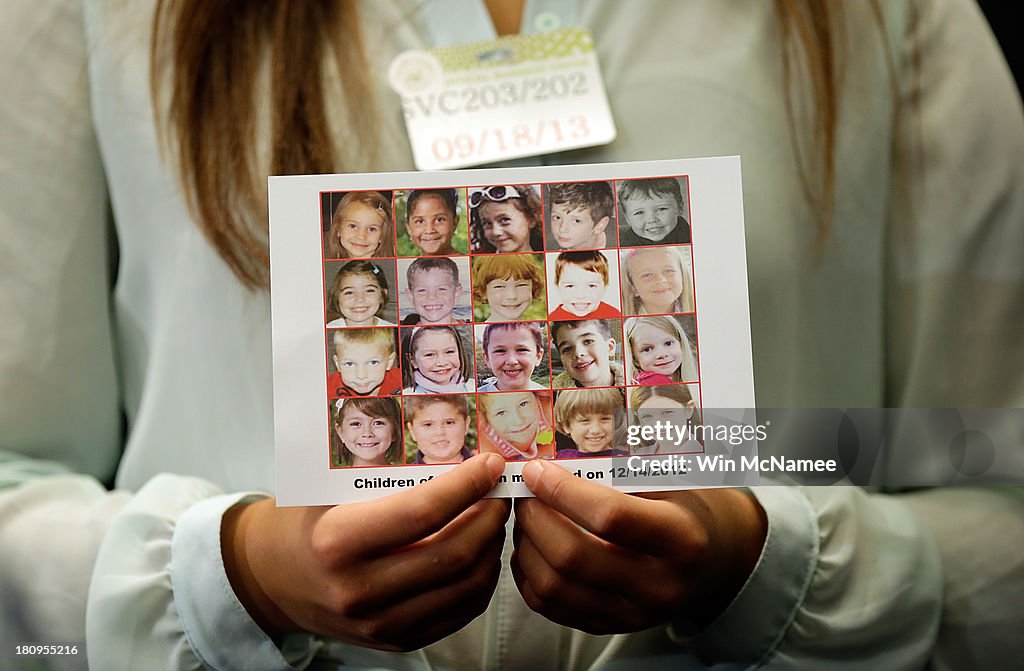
<point x="114" y="306"/>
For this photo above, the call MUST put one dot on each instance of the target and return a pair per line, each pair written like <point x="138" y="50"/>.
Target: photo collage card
<point x="533" y="318"/>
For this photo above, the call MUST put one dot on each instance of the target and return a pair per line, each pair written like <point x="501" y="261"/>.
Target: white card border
<point x="302" y="464"/>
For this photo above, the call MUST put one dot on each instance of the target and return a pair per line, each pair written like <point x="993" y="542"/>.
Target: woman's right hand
<point x="397" y="573"/>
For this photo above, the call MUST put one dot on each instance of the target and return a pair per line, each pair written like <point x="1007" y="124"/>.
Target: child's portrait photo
<point x="439" y="429"/>
<point x="437" y="359"/>
<point x="593" y="421"/>
<point x="660" y="349"/>
<point x="432" y="290"/>
<point x="357" y="224"/>
<point x="510" y="357"/>
<point x="363" y="362"/>
<point x="366" y="432"/>
<point x="505" y="218"/>
<point x="653" y="211"/>
<point x="677" y="404"/>
<point x="656" y="280"/>
<point x="359" y="293"/>
<point x="509" y="287"/>
<point x="431" y="222"/>
<point x="587" y="353"/>
<point x="583" y="285"/>
<point x="580" y="215"/>
<point x="516" y="425"/>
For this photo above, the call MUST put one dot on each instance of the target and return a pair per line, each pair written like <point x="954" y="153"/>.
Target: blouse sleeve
<point x="935" y="577"/>
<point x="956" y="314"/>
<point x="59" y="411"/>
<point x="145" y="566"/>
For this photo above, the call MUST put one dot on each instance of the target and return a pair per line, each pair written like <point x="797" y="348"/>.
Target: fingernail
<point x="496" y="465"/>
<point x="532" y="473"/>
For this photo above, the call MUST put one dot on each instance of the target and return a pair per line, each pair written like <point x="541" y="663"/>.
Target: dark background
<point x="1004" y="17"/>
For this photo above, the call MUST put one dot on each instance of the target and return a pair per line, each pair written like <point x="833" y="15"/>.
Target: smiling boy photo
<point x="433" y="291"/>
<point x="654" y="212"/>
<point x="509" y="287"/>
<point x="579" y="215"/>
<point x="592" y="419"/>
<point x="585" y="282"/>
<point x="438" y="429"/>
<point x="586" y="349"/>
<point x="512" y="353"/>
<point x="365" y="363"/>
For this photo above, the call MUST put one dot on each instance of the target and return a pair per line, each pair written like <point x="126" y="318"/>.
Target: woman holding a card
<point x="883" y="167"/>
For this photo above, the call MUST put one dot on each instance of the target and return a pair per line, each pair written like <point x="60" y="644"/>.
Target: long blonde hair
<point x="635" y="306"/>
<point x="207" y="57"/>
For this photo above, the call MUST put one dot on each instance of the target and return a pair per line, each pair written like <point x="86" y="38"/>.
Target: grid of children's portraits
<point x="530" y="320"/>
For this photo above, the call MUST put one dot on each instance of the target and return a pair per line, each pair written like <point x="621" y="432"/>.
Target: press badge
<point x="516" y="96"/>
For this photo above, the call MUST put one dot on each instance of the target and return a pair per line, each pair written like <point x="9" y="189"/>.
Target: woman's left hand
<point x="596" y="559"/>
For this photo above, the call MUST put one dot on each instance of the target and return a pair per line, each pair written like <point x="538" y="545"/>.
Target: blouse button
<point x="547" y="21"/>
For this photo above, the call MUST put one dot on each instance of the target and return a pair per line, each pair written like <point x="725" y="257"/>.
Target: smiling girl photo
<point x="516" y="425"/>
<point x="505" y="218"/>
<point x="361" y="227"/>
<point x="367" y="432"/>
<point x="433" y="222"/>
<point x="360" y="294"/>
<point x="658" y="351"/>
<point x="656" y="280"/>
<point x="437" y="360"/>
